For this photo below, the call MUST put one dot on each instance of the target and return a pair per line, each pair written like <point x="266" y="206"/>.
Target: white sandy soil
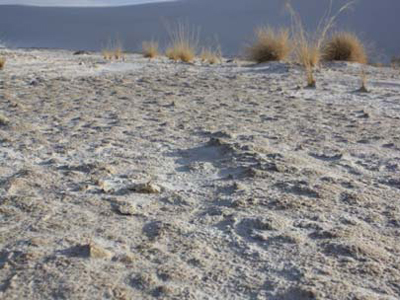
<point x="153" y="179"/>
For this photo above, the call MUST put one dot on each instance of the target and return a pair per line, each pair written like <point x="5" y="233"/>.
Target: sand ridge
<point x="152" y="179"/>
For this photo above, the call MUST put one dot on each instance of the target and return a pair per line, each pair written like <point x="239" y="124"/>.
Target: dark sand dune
<point x="231" y="20"/>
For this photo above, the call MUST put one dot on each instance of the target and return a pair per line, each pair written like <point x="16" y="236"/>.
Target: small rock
<point x="223" y="134"/>
<point x="244" y="202"/>
<point x="4" y="120"/>
<point x="143" y="281"/>
<point x="126" y="209"/>
<point x="237" y="186"/>
<point x="147" y="188"/>
<point x="126" y="258"/>
<point x="107" y="186"/>
<point x="156" y="229"/>
<point x="38" y="241"/>
<point x="161" y="291"/>
<point x="36" y="81"/>
<point x="96" y="251"/>
<point x="81" y="52"/>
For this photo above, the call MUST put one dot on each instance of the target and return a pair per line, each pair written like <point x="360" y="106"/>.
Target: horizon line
<point x="85" y="4"/>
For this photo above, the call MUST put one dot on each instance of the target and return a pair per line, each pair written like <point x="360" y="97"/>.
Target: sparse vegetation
<point x="308" y="47"/>
<point x="311" y="82"/>
<point x="269" y="45"/>
<point x="211" y="56"/>
<point x="345" y="46"/>
<point x="118" y="53"/>
<point x="363" y="88"/>
<point x="114" y="50"/>
<point x="183" y="43"/>
<point x="2" y="62"/>
<point x="107" y="54"/>
<point x="150" y="49"/>
<point x="308" y="54"/>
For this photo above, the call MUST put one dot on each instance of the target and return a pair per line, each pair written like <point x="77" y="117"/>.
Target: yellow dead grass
<point x="269" y="45"/>
<point x="345" y="46"/>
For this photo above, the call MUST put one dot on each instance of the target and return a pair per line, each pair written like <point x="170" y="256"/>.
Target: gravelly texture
<point x="151" y="179"/>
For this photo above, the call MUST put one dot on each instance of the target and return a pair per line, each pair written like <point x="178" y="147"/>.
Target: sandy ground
<point x="152" y="179"/>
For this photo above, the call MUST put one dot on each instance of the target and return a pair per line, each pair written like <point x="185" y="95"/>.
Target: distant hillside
<point x="231" y="20"/>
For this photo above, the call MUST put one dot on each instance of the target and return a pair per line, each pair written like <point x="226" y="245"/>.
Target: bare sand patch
<point x="145" y="179"/>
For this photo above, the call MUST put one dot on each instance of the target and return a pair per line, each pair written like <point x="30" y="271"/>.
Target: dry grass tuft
<point x="345" y="46"/>
<point x="308" y="47"/>
<point x="114" y="50"/>
<point x="270" y="45"/>
<point x="150" y="49"/>
<point x="180" y="52"/>
<point x="308" y="54"/>
<point x="211" y="56"/>
<point x="183" y="43"/>
<point x="363" y="88"/>
<point x="116" y="53"/>
<point x="119" y="53"/>
<point x="311" y="82"/>
<point x="107" y="54"/>
<point x="2" y="62"/>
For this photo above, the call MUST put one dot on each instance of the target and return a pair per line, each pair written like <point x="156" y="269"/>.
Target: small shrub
<point x="308" y="45"/>
<point x="270" y="45"/>
<point x="345" y="46"/>
<point x="118" y="53"/>
<point x="183" y="44"/>
<point x="150" y="49"/>
<point x="2" y="62"/>
<point x="311" y="82"/>
<point x="308" y="54"/>
<point x="180" y="51"/>
<point x="363" y="88"/>
<point x="107" y="54"/>
<point x="114" y="50"/>
<point x="211" y="56"/>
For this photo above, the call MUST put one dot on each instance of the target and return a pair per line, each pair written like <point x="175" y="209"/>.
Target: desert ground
<point x="142" y="179"/>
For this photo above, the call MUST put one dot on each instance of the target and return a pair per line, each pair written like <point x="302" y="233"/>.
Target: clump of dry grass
<point x="119" y="53"/>
<point x="363" y="88"/>
<point x="107" y="54"/>
<point x="269" y="45"/>
<point x="345" y="46"/>
<point x="211" y="56"/>
<point x="183" y="43"/>
<point x="2" y="62"/>
<point x="181" y="51"/>
<point x="116" y="53"/>
<point x="311" y="82"/>
<point x="150" y="49"/>
<point x="114" y="50"/>
<point x="308" y="47"/>
<point x="308" y="55"/>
